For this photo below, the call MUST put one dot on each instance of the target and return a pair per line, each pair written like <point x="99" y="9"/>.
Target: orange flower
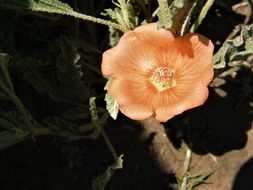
<point x="157" y="74"/>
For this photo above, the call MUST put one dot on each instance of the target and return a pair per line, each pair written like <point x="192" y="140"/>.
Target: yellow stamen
<point x="163" y="78"/>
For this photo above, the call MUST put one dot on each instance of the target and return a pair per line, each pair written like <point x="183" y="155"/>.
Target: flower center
<point x="163" y="78"/>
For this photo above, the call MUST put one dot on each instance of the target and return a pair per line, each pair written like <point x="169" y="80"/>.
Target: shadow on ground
<point x="50" y="163"/>
<point x="217" y="127"/>
<point x="243" y="179"/>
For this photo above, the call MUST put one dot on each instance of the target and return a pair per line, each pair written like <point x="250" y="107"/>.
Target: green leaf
<point x="197" y="180"/>
<point x="238" y="49"/>
<point x="62" y="79"/>
<point x="195" y="9"/>
<point x="6" y="87"/>
<point x="50" y="6"/>
<point x="69" y="73"/>
<point x="9" y="138"/>
<point x="76" y="113"/>
<point x="100" y="181"/>
<point x="12" y="121"/>
<point x="202" y="15"/>
<point x="13" y="127"/>
<point x="94" y="118"/>
<point x="62" y="127"/>
<point x="111" y="104"/>
<point x="164" y="16"/>
<point x="174" y="15"/>
<point x="123" y="14"/>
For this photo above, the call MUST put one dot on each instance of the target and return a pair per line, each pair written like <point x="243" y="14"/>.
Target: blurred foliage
<point x="101" y="180"/>
<point x="50" y="6"/>
<point x="236" y="50"/>
<point x="49" y="68"/>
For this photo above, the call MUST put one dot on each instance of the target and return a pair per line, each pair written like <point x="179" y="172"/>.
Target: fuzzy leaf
<point x="6" y="88"/>
<point x="62" y="81"/>
<point x="70" y="74"/>
<point x="12" y="121"/>
<point x="100" y="181"/>
<point x="111" y="104"/>
<point x="76" y="113"/>
<point x="50" y="6"/>
<point x="12" y="124"/>
<point x="9" y="138"/>
<point x="94" y="118"/>
<point x="238" y="49"/>
<point x="174" y="15"/>
<point x="164" y="15"/>
<point x="62" y="127"/>
<point x="202" y="15"/>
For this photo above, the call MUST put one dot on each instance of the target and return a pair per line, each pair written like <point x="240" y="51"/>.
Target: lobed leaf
<point x="164" y="14"/>
<point x="69" y="73"/>
<point x="6" y="87"/>
<point x="12" y="121"/>
<point x="12" y="125"/>
<point x="94" y="118"/>
<point x="111" y="104"/>
<point x="9" y="138"/>
<point x="50" y="6"/>
<point x="63" y="79"/>
<point x="62" y="127"/>
<point x="238" y="49"/>
<point x="174" y="15"/>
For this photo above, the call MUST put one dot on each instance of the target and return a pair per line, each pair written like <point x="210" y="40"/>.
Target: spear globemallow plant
<point x="156" y="74"/>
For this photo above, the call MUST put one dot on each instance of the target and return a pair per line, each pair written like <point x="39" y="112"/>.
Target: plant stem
<point x="109" y="144"/>
<point x="22" y="110"/>
<point x="98" y="20"/>
<point x="186" y="168"/>
<point x="105" y="136"/>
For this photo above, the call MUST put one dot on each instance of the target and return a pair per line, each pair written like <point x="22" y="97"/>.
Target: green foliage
<point x="101" y="180"/>
<point x="53" y="6"/>
<point x="94" y="118"/>
<point x="111" y="104"/>
<point x="164" y="14"/>
<point x="12" y="125"/>
<point x="66" y="85"/>
<point x="9" y="138"/>
<point x="62" y="127"/>
<point x="202" y="15"/>
<point x="178" y="15"/>
<point x="6" y="87"/>
<point x="50" y="6"/>
<point x="197" y="180"/>
<point x="238" y="49"/>
<point x="122" y="14"/>
<point x="57" y="61"/>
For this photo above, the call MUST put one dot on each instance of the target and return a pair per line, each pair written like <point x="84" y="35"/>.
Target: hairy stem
<point x="98" y="20"/>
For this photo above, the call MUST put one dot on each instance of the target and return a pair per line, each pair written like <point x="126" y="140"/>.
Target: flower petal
<point x="182" y="100"/>
<point x="199" y="65"/>
<point x="137" y="50"/>
<point x="126" y="57"/>
<point x="136" y="112"/>
<point x="133" y="97"/>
